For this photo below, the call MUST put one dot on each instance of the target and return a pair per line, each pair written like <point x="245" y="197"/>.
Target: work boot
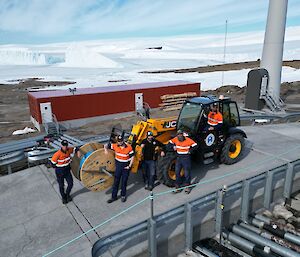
<point x="111" y="200"/>
<point x="187" y="190"/>
<point x="64" y="200"/>
<point x="177" y="190"/>
<point x="123" y="199"/>
<point x="69" y="198"/>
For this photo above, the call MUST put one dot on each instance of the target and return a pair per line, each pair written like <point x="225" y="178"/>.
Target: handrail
<point x="274" y="102"/>
<point x="56" y="123"/>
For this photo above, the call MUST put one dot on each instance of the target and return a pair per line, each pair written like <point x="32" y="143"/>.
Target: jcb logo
<point x="170" y="124"/>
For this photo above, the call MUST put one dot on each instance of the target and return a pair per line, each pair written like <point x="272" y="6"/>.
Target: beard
<point x="181" y="138"/>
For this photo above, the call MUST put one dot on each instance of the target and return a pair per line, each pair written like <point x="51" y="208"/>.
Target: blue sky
<point x="47" y="21"/>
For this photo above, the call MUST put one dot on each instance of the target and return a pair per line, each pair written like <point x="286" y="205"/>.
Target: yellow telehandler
<point x="95" y="168"/>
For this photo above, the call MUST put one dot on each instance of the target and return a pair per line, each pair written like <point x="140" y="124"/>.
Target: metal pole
<point x="152" y="238"/>
<point x="224" y="53"/>
<point x="273" y="45"/>
<point x="268" y="189"/>
<point x="288" y="182"/>
<point x="220" y="212"/>
<point x="151" y="204"/>
<point x="188" y="226"/>
<point x="152" y="230"/>
<point x="245" y="201"/>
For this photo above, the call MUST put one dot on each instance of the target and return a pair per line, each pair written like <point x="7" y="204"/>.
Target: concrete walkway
<point x="33" y="221"/>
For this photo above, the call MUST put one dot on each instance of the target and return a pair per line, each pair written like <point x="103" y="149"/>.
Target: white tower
<point x="273" y="46"/>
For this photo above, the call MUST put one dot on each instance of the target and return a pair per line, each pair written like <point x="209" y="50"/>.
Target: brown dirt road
<point x="225" y="67"/>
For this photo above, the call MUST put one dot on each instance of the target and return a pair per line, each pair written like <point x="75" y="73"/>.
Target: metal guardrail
<point x="245" y="189"/>
<point x="19" y="144"/>
<point x="16" y="151"/>
<point x="9" y="158"/>
<point x="271" y="117"/>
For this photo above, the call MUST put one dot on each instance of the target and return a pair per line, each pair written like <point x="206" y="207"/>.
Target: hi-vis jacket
<point x="214" y="119"/>
<point x="122" y="153"/>
<point x="183" y="147"/>
<point x="61" y="159"/>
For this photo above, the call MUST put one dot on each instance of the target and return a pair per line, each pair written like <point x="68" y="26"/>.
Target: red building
<point x="91" y="104"/>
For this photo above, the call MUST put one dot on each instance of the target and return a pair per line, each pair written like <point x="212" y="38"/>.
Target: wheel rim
<point x="171" y="171"/>
<point x="235" y="149"/>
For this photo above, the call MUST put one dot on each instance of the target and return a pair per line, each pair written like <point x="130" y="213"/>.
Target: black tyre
<point x="233" y="148"/>
<point x="166" y="169"/>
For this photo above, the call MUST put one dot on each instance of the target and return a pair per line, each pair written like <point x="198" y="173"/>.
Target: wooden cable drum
<point x="96" y="170"/>
<point x="84" y="150"/>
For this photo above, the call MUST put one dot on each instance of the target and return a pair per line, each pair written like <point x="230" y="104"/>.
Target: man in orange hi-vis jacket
<point x="61" y="161"/>
<point x="184" y="146"/>
<point x="124" y="156"/>
<point x="214" y="118"/>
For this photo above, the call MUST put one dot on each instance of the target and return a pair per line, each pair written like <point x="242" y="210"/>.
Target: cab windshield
<point x="189" y="117"/>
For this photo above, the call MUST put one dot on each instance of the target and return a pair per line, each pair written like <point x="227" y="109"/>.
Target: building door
<point x="46" y="112"/>
<point x="139" y="101"/>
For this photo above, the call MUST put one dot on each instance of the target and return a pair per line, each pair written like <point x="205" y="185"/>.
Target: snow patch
<point x="82" y="57"/>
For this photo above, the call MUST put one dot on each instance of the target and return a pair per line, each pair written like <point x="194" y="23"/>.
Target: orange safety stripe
<point x="184" y="146"/>
<point x="122" y="154"/>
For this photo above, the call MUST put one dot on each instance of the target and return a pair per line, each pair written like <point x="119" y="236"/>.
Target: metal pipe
<point x="245" y="233"/>
<point x="257" y="223"/>
<point x="205" y="251"/>
<point x="277" y="231"/>
<point x="292" y="238"/>
<point x="247" y="226"/>
<point x="262" y="218"/>
<point x="269" y="221"/>
<point x="273" y="45"/>
<point x="239" y="242"/>
<point x="246" y="246"/>
<point x="274" y="230"/>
